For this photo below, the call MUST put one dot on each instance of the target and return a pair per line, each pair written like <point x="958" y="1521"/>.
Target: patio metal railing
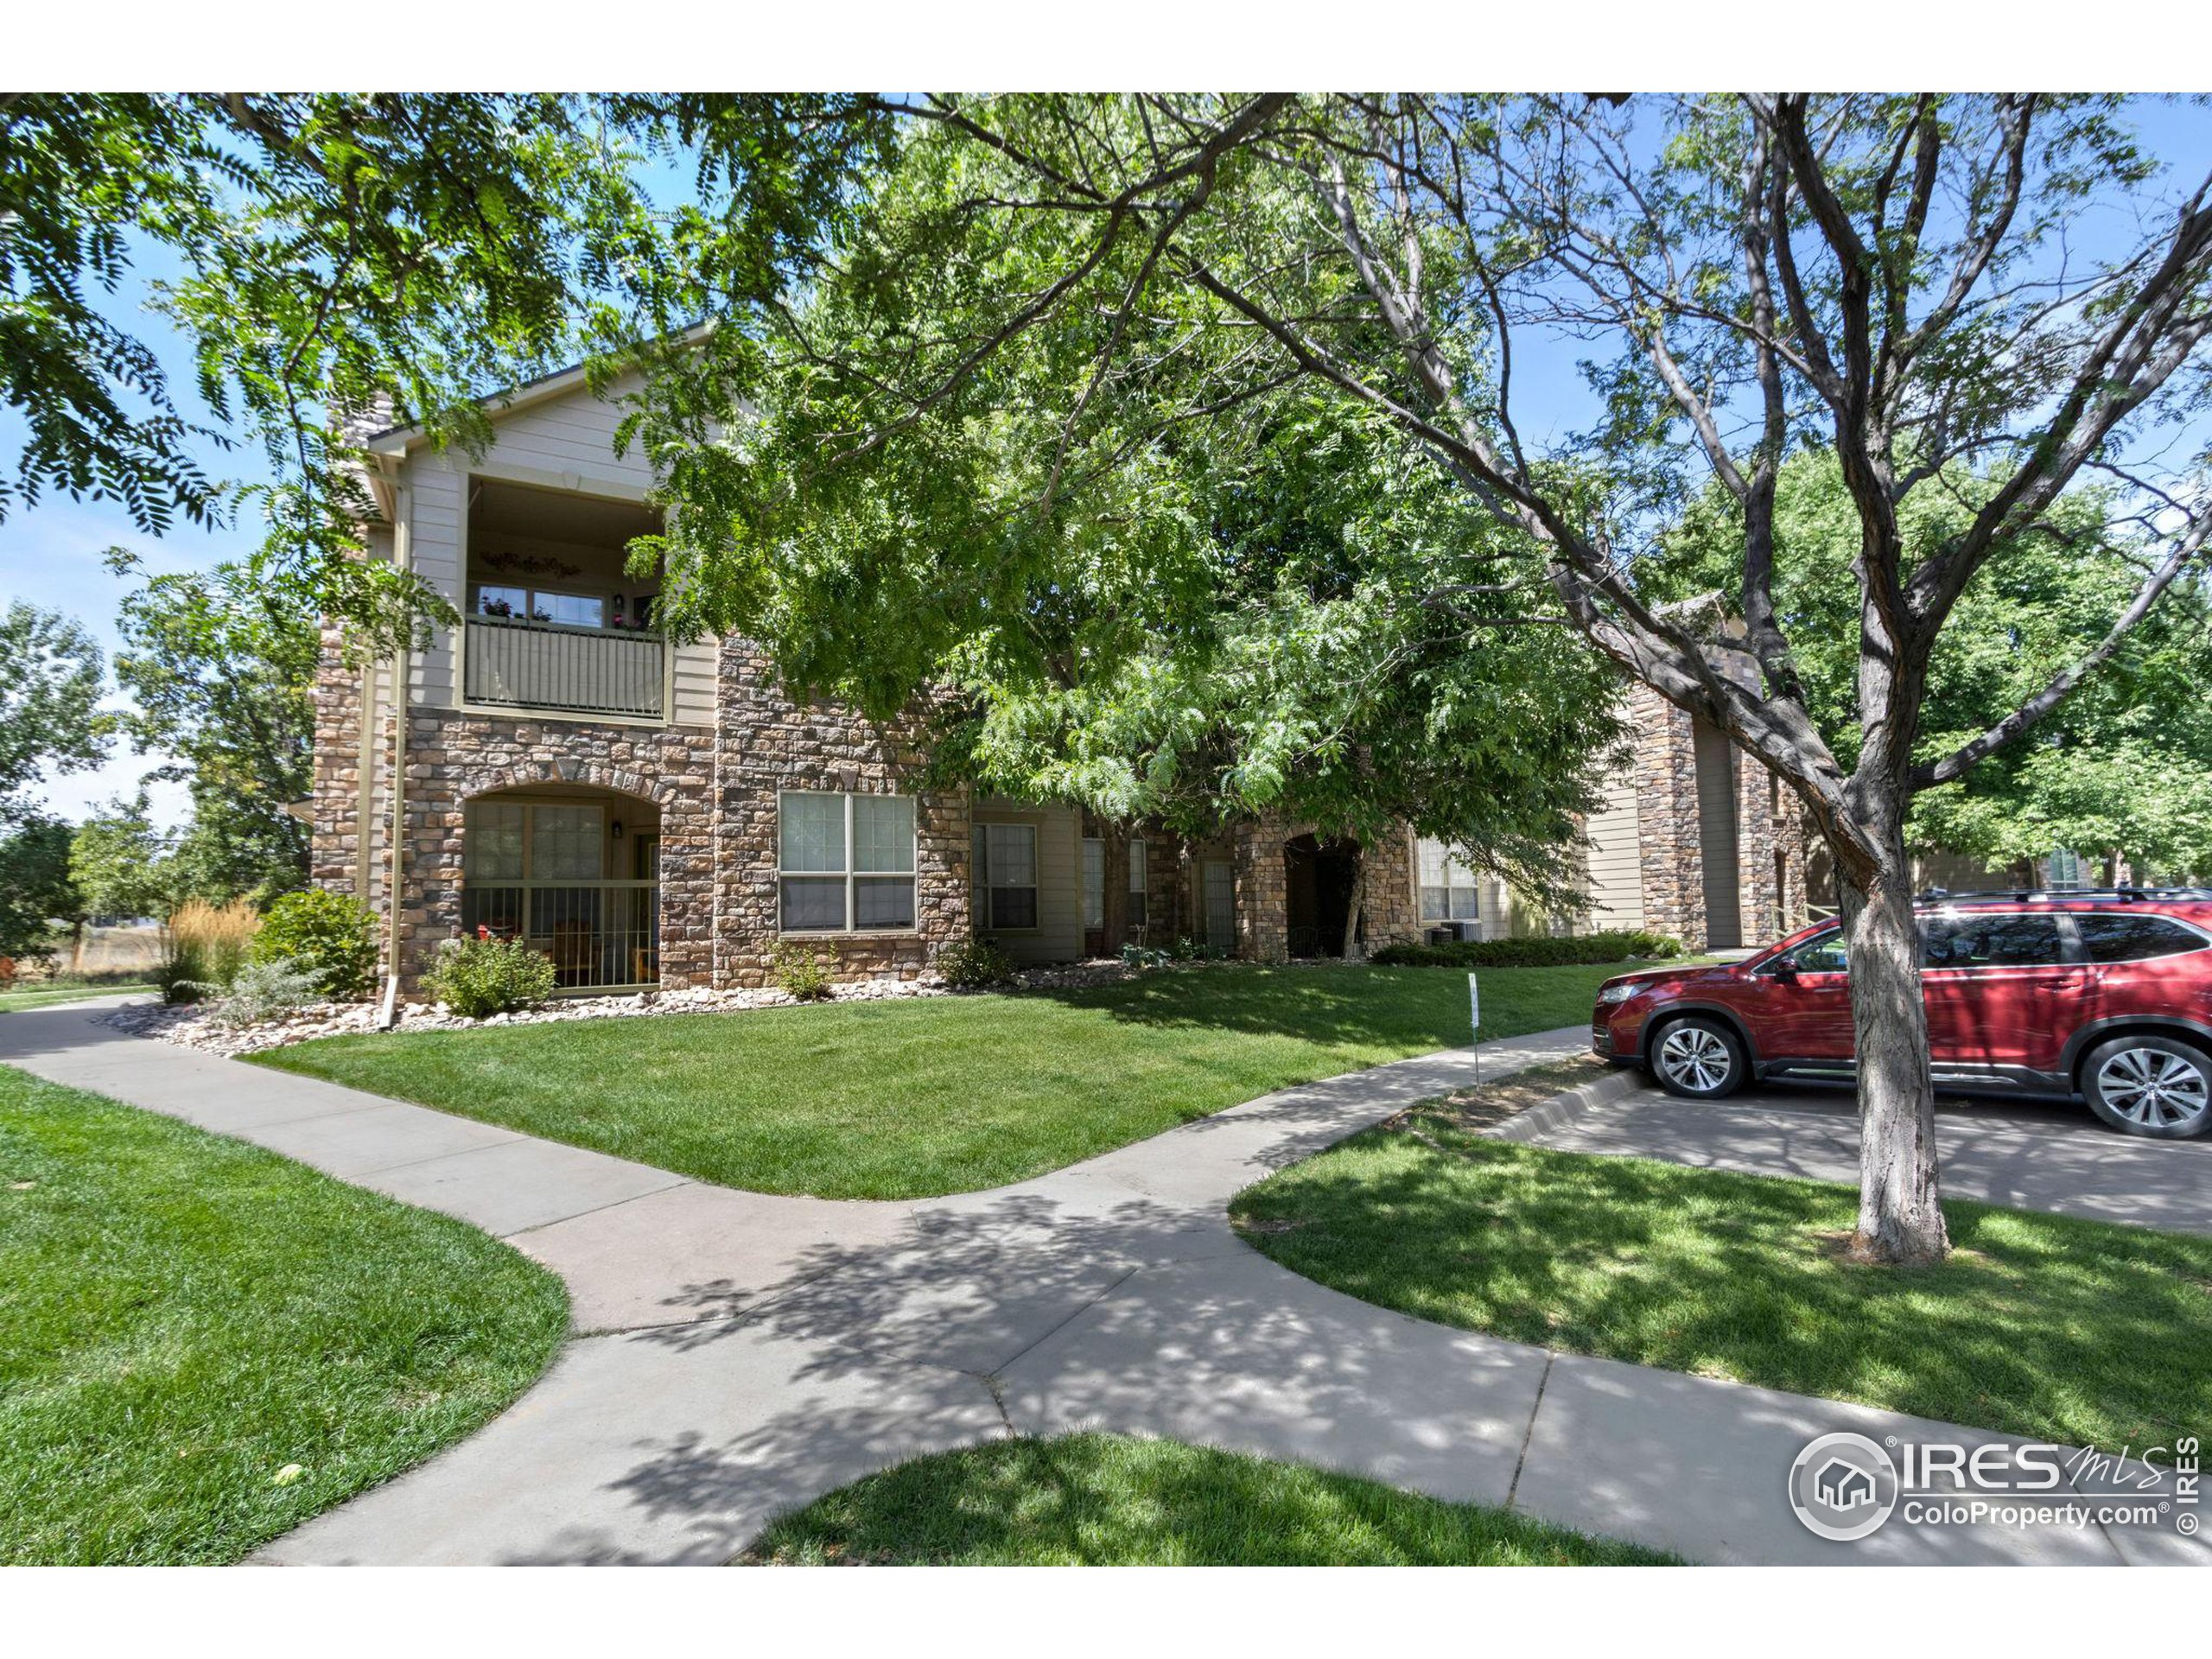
<point x="545" y="665"/>
<point x="599" y="935"/>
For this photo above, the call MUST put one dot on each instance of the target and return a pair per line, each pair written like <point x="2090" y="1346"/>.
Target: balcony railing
<point x="582" y="671"/>
<point x="599" y="935"/>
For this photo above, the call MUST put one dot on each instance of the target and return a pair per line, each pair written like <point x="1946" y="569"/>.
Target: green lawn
<point x="912" y="1099"/>
<point x="184" y="1319"/>
<point x="1104" y="1500"/>
<point x="40" y="996"/>
<point x="2075" y="1332"/>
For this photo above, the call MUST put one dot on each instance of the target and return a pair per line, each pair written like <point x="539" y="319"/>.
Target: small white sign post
<point x="1475" y="1024"/>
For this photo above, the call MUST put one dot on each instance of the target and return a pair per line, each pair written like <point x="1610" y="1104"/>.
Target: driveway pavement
<point x="738" y="1354"/>
<point x="2026" y="1156"/>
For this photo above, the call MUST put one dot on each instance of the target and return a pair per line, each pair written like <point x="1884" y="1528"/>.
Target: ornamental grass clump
<point x="203" y="947"/>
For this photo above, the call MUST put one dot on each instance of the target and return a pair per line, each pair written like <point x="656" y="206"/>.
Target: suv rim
<point x="2152" y="1088"/>
<point x="1695" y="1058"/>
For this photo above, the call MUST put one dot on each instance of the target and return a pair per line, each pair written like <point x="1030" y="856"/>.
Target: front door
<point x="1220" y="902"/>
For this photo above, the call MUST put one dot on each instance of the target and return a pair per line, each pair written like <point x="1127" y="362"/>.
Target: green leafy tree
<point x="120" y="863"/>
<point x="50" y="718"/>
<point x="349" y="259"/>
<point x="36" y="890"/>
<point x="220" y="674"/>
<point x="2121" y="769"/>
<point x="1051" y="302"/>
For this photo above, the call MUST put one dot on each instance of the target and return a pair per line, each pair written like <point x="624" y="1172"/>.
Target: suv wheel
<point x="1699" y="1058"/>
<point x="2148" y="1085"/>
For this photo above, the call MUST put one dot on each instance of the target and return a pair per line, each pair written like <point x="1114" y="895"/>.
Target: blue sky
<point x="51" y="554"/>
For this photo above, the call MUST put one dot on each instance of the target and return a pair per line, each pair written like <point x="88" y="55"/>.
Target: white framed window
<point x="1448" y="893"/>
<point x="844" y="863"/>
<point x="1137" y="888"/>
<point x="1094" y="882"/>
<point x="1006" y="877"/>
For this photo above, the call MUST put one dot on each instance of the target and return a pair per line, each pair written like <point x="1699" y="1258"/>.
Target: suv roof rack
<point x="2122" y="895"/>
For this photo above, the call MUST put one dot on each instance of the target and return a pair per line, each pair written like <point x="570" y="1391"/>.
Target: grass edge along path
<point x="203" y="1345"/>
<point x="920" y="1097"/>
<point x="2051" y="1327"/>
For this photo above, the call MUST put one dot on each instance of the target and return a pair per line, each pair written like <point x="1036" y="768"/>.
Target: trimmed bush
<point x="263" y="990"/>
<point x="481" y="977"/>
<point x="801" y="975"/>
<point x="974" y="965"/>
<point x="1529" y="953"/>
<point x="331" y="935"/>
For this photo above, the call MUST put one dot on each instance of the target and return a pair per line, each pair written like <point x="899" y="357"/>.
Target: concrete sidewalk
<point x="739" y="1354"/>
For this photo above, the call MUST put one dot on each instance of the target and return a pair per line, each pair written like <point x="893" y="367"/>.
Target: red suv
<point x="2106" y="994"/>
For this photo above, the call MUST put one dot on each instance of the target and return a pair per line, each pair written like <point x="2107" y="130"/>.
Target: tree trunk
<point x="1114" y="850"/>
<point x="1900" y="1219"/>
<point x="1352" y="951"/>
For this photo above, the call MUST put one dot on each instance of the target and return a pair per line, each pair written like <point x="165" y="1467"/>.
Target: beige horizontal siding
<point x="1616" y="886"/>
<point x="1058" y="934"/>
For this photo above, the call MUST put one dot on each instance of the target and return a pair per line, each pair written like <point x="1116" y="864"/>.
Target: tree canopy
<point x="50" y="718"/>
<point x="347" y="261"/>
<point x="2120" y="771"/>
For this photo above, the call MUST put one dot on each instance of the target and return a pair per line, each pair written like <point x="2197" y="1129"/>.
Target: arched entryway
<point x="1319" y="877"/>
<point x="573" y="869"/>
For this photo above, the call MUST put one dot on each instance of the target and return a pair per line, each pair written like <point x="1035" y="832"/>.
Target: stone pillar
<point x="1263" y="901"/>
<point x="1669" y="845"/>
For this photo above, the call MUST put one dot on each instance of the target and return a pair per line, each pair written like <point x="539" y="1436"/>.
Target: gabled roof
<point x="398" y="440"/>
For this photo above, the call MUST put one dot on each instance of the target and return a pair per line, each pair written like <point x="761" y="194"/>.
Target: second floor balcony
<point x="510" y="662"/>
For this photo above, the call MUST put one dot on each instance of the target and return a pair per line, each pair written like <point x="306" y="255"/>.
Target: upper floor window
<point x="1006" y="876"/>
<point x="845" y="863"/>
<point x="1447" y="886"/>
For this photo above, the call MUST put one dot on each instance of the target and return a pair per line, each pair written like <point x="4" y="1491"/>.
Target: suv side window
<point x="1997" y="939"/>
<point x="2135" y="938"/>
<point x="1822" y="954"/>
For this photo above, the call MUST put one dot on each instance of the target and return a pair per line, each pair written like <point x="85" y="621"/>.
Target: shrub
<point x="203" y="947"/>
<point x="1529" y="953"/>
<point x="1187" y="949"/>
<point x="800" y="973"/>
<point x="263" y="989"/>
<point x="481" y="977"/>
<point x="974" y="965"/>
<point x="1144" y="955"/>
<point x="331" y="933"/>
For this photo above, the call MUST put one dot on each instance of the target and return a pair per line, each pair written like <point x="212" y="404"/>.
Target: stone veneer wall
<point x="334" y="830"/>
<point x="453" y="757"/>
<point x="1388" y="902"/>
<point x="1670" y="844"/>
<point x="767" y="742"/>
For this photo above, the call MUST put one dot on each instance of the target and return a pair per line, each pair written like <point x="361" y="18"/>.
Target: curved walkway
<point x="738" y="1354"/>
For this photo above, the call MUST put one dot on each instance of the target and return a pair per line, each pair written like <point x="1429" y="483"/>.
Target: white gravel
<point x="194" y="1027"/>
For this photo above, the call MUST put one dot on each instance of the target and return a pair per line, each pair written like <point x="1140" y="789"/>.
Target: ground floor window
<point x="1137" y="885"/>
<point x="1448" y="885"/>
<point x="1005" y="876"/>
<point x="562" y="875"/>
<point x="845" y="863"/>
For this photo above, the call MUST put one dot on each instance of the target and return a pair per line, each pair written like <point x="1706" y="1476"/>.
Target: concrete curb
<point x="1563" y="1109"/>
